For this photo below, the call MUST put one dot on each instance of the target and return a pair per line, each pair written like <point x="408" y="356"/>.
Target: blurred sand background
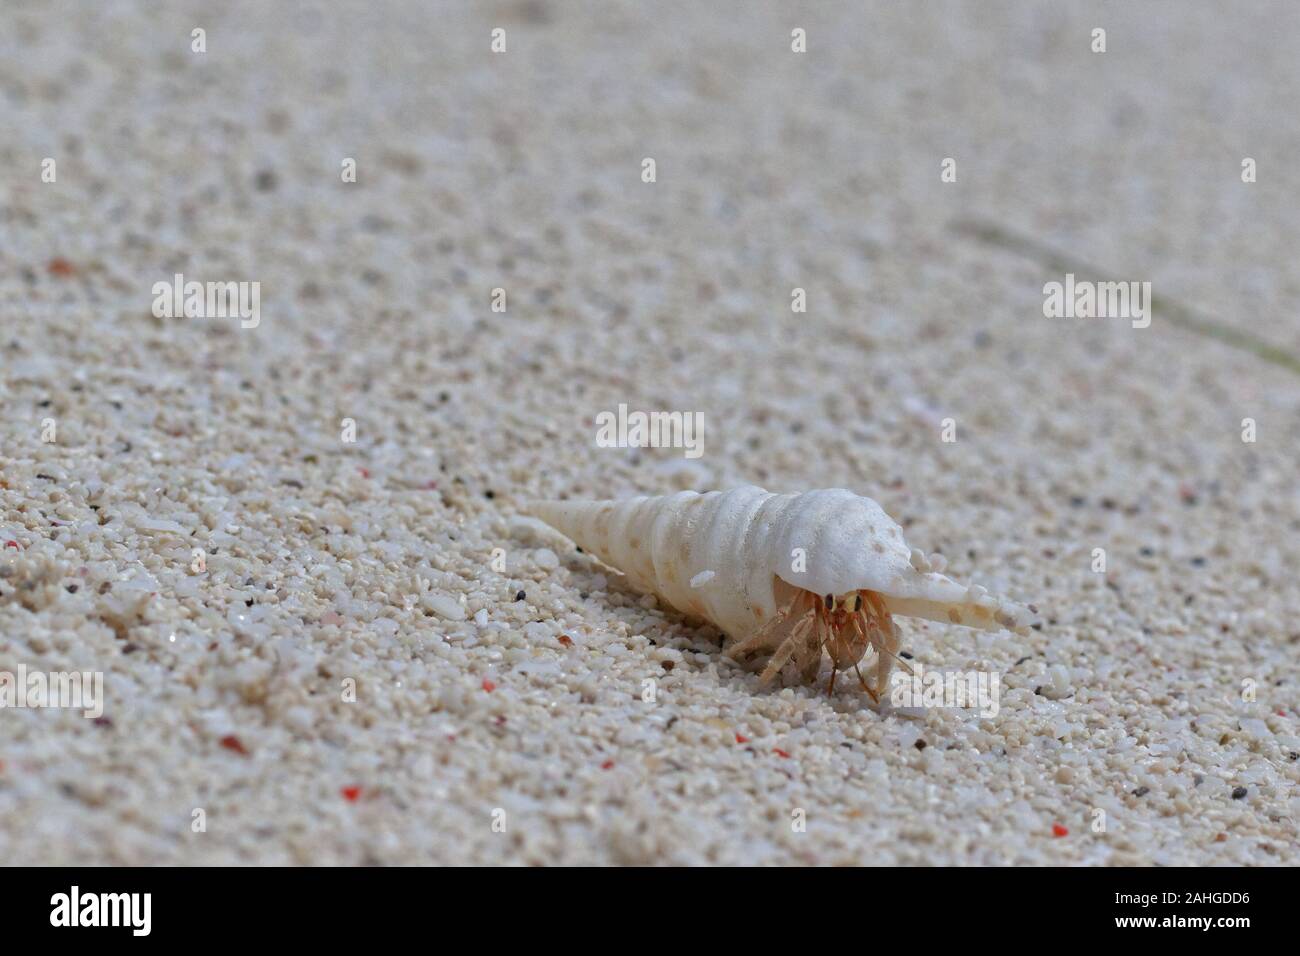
<point x="329" y="561"/>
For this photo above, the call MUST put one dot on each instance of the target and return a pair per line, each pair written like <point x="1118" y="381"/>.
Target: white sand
<point x="372" y="561"/>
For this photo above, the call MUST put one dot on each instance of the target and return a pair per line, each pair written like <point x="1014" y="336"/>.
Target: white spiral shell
<point x="747" y="536"/>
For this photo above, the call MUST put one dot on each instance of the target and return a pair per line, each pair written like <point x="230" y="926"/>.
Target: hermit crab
<point x="786" y="577"/>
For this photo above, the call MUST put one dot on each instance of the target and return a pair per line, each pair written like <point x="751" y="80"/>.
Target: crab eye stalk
<point x="857" y="604"/>
<point x="830" y="601"/>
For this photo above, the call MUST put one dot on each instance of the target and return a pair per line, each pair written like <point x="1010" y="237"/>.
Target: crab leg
<point x="758" y="637"/>
<point x="863" y="681"/>
<point x="785" y="651"/>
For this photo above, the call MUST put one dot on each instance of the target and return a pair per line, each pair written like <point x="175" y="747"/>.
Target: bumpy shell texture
<point x="829" y="542"/>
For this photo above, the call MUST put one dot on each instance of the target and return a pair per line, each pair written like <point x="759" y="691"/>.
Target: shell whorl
<point x="662" y="543"/>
